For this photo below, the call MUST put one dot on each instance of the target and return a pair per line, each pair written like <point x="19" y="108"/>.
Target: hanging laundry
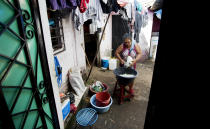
<point x="110" y="6"/>
<point x="128" y="14"/>
<point x="122" y="3"/>
<point x="94" y="12"/>
<point x="138" y="6"/>
<point x="123" y="14"/>
<point x="105" y="1"/>
<point x="78" y="3"/>
<point x="83" y="5"/>
<point x="77" y="18"/>
<point x="93" y="28"/>
<point x="137" y="26"/>
<point x="145" y="17"/>
<point x="138" y="20"/>
<point x="54" y="4"/>
<point x="128" y="9"/>
<point x="62" y="4"/>
<point x="72" y="4"/>
<point x="99" y="19"/>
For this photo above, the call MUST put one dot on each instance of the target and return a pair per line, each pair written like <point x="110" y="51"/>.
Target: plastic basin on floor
<point x="102" y="99"/>
<point x="99" y="109"/>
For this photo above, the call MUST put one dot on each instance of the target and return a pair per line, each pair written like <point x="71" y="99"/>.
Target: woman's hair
<point x="127" y="35"/>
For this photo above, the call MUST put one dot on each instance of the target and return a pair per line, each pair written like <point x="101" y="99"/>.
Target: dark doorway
<point x="90" y="42"/>
<point x="119" y="28"/>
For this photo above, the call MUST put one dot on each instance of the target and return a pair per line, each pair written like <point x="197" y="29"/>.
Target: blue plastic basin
<point x="105" y="63"/>
<point x="86" y="116"/>
<point x="99" y="109"/>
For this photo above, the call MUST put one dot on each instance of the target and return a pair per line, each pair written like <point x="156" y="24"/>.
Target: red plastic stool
<point x="121" y="92"/>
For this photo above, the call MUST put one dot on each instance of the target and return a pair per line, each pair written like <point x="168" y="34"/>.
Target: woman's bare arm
<point x="139" y="54"/>
<point x="117" y="54"/>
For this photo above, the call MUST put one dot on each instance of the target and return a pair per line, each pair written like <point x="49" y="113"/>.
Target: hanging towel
<point x="58" y="70"/>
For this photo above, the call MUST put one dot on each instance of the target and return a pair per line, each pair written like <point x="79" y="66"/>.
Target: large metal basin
<point x="125" y="80"/>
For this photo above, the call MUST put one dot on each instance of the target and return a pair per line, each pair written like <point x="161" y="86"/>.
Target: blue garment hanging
<point x="138" y="6"/>
<point x="58" y="70"/>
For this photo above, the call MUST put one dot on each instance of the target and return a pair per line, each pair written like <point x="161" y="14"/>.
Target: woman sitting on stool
<point x="128" y="49"/>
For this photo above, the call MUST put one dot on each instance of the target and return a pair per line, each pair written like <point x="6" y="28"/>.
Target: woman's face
<point x="127" y="42"/>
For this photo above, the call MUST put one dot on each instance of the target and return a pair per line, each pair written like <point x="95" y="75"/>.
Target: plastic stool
<point x="121" y="92"/>
<point x="86" y="117"/>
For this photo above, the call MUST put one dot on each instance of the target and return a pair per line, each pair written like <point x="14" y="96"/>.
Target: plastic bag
<point x="129" y="61"/>
<point x="98" y="86"/>
<point x="76" y="81"/>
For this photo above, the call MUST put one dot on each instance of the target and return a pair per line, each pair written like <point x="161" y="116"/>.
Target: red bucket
<point x="102" y="99"/>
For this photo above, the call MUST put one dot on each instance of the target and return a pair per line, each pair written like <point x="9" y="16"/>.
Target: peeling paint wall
<point x="74" y="54"/>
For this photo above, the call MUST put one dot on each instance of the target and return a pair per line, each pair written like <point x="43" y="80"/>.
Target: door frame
<point x="35" y="14"/>
<point x="44" y="62"/>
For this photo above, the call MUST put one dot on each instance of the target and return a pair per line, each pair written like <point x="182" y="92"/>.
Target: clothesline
<point x="83" y="10"/>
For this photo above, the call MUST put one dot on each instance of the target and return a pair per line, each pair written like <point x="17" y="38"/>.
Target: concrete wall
<point x="106" y="44"/>
<point x="72" y="56"/>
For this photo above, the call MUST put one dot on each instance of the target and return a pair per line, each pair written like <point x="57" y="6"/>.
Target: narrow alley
<point x="48" y="49"/>
<point x="131" y="114"/>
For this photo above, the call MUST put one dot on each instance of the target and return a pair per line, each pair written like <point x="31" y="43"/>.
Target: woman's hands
<point x="133" y="62"/>
<point x="117" y="54"/>
<point x="122" y="62"/>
